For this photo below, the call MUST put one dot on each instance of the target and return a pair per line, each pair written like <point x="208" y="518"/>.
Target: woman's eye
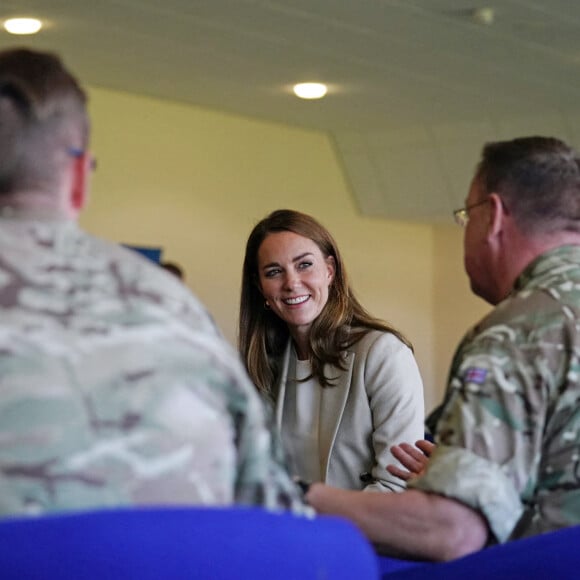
<point x="304" y="265"/>
<point x="272" y="273"/>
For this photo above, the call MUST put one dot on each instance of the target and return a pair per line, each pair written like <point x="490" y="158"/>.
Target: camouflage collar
<point x="562" y="261"/>
<point x="37" y="214"/>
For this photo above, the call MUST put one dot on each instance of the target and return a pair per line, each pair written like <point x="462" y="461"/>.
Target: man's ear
<point x="498" y="214"/>
<point x="79" y="183"/>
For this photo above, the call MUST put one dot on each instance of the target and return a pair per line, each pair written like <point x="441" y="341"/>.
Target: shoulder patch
<point x="475" y="375"/>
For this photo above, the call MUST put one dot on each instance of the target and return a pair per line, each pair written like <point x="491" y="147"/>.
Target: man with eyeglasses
<point x="116" y="389"/>
<point x="506" y="463"/>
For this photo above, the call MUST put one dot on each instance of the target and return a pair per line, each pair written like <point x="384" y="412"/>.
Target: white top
<point x="301" y="421"/>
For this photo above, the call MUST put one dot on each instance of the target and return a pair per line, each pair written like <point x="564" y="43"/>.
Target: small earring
<point x="266" y="305"/>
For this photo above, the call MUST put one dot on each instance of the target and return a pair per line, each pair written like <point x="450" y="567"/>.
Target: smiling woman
<point x="345" y="385"/>
<point x="294" y="279"/>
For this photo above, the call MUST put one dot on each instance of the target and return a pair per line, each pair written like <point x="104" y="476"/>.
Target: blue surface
<point x="552" y="555"/>
<point x="174" y="544"/>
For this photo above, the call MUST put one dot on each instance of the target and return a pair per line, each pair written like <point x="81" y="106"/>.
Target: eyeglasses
<point x="77" y="153"/>
<point x="461" y="216"/>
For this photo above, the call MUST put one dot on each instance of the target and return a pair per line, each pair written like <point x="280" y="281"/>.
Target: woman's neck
<point x="301" y="345"/>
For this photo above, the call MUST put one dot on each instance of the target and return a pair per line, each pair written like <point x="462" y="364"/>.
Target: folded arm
<point x="412" y="524"/>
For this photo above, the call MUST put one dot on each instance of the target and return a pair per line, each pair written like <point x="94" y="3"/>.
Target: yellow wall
<point x="456" y="308"/>
<point x="195" y="181"/>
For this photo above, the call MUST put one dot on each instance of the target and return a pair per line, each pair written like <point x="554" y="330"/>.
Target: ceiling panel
<point x="415" y="86"/>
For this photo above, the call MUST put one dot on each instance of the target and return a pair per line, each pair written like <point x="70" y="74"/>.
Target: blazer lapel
<point x="332" y="406"/>
<point x="281" y="390"/>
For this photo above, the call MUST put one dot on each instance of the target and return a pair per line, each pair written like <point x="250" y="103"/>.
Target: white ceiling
<point x="416" y="86"/>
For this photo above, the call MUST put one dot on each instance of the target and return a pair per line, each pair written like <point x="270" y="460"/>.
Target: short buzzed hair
<point x="538" y="178"/>
<point x="42" y="119"/>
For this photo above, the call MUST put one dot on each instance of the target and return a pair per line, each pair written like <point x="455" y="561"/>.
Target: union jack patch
<point x="475" y="375"/>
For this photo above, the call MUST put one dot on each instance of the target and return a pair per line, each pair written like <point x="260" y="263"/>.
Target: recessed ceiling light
<point x="22" y="25"/>
<point x="310" y="90"/>
<point x="483" y="15"/>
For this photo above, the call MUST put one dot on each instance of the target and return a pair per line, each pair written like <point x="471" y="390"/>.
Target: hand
<point x="415" y="459"/>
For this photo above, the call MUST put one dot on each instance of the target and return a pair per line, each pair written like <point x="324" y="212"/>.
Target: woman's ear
<point x="256" y="283"/>
<point x="331" y="266"/>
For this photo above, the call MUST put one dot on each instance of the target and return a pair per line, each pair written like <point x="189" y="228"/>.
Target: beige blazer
<point x="375" y="403"/>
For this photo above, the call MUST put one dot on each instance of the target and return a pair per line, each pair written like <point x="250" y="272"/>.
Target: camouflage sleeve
<point x="476" y="482"/>
<point x="489" y="432"/>
<point x="262" y="475"/>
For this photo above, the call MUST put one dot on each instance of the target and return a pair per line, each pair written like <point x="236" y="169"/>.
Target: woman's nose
<point x="291" y="279"/>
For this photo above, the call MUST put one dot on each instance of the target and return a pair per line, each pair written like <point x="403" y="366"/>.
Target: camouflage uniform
<point x="115" y="387"/>
<point x="509" y="430"/>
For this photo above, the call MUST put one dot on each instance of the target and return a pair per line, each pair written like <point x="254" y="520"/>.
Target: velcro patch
<point x="475" y="375"/>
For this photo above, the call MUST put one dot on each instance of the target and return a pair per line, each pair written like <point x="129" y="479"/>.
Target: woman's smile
<point x="297" y="301"/>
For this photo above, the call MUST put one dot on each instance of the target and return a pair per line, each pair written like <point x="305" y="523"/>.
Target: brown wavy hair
<point x="263" y="336"/>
